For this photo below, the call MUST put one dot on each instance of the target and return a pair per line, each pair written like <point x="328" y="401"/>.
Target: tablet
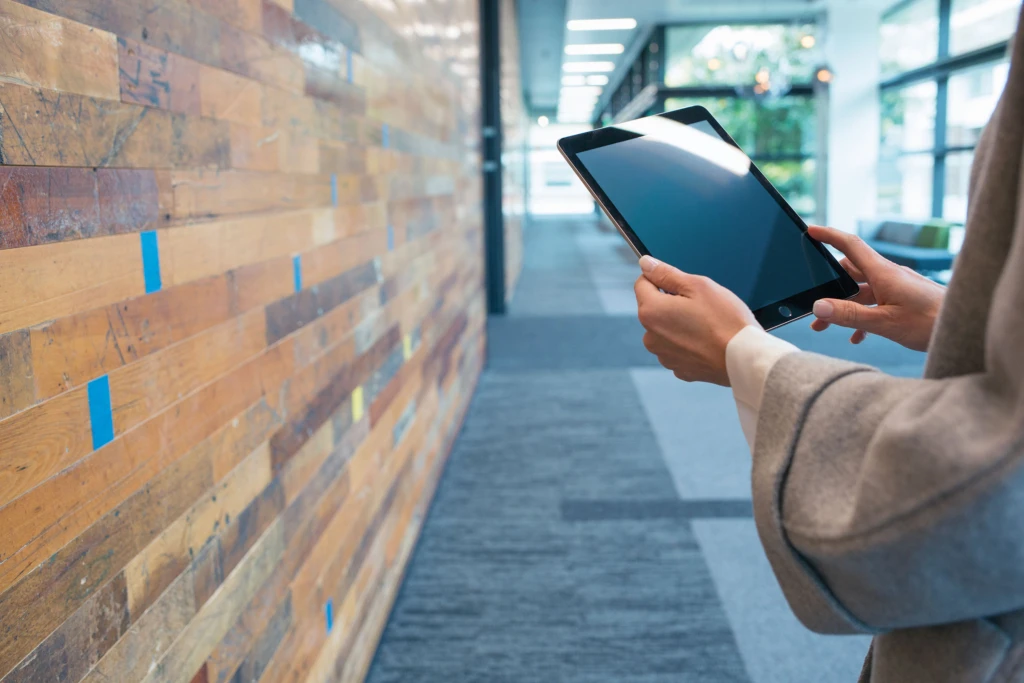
<point x="680" y="189"/>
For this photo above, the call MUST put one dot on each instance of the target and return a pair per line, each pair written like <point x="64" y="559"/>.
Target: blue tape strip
<point x="391" y="237"/>
<point x="348" y="64"/>
<point x="101" y="416"/>
<point x="329" y="613"/>
<point x="334" y="189"/>
<point x="385" y="136"/>
<point x="151" y="261"/>
<point x="297" y="271"/>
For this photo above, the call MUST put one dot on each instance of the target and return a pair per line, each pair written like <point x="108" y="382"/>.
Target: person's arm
<point x="749" y="357"/>
<point x="882" y="502"/>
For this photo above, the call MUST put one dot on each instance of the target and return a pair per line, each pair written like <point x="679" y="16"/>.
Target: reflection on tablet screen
<point x="691" y="199"/>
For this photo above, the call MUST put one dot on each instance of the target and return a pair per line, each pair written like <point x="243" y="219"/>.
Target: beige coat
<point x="896" y="506"/>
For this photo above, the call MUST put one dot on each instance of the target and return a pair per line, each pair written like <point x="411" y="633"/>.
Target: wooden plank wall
<point x="241" y="316"/>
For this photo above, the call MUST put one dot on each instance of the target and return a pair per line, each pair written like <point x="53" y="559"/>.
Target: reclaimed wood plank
<point x="253" y="56"/>
<point x="298" y="310"/>
<point x="42" y="205"/>
<point x="50" y="52"/>
<point x="206" y="194"/>
<point x="41" y="441"/>
<point x="54" y="280"/>
<point x="213" y="621"/>
<point x="65" y="505"/>
<point x="17" y="382"/>
<point x="306" y="517"/>
<point x="146" y="387"/>
<point x="171" y="25"/>
<point x="150" y="634"/>
<point x="58" y="588"/>
<point x="50" y="128"/>
<point x="71" y="351"/>
<point x="202" y="250"/>
<point x="77" y="644"/>
<point x="244" y="14"/>
<point x="228" y="96"/>
<point x="156" y="78"/>
<point x="157" y="565"/>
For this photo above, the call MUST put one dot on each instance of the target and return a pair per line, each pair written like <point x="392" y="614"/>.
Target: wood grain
<point x="17" y="385"/>
<point x="42" y="205"/>
<point x="50" y="52"/>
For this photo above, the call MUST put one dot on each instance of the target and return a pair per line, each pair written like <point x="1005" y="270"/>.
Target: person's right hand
<point x="894" y="301"/>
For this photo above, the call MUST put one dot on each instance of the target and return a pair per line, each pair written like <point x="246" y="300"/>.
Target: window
<point x="972" y="98"/>
<point x="910" y="36"/>
<point x="709" y="54"/>
<point x="979" y="23"/>
<point x="946" y="66"/>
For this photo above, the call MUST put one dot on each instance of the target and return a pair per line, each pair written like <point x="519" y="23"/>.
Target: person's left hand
<point x="690" y="322"/>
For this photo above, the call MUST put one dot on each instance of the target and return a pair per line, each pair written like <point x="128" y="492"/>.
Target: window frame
<point x="939" y="72"/>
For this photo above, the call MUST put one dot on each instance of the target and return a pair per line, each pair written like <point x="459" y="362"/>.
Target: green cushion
<point x="934" y="234"/>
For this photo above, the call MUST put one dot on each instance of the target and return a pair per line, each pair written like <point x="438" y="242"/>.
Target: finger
<point x="666" y="277"/>
<point x="866" y="296"/>
<point x="850" y="314"/>
<point x="819" y="325"/>
<point x="858" y="336"/>
<point x="860" y="254"/>
<point x="855" y="272"/>
<point x="645" y="290"/>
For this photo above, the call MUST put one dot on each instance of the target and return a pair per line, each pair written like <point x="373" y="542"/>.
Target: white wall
<point x="851" y="50"/>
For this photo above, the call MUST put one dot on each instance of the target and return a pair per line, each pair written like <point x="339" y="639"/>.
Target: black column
<point x="490" y="88"/>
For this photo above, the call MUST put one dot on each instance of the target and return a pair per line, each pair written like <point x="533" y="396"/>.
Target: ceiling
<point x="543" y="34"/>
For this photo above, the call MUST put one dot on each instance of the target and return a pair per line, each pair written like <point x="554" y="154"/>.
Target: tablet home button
<point x="786" y="313"/>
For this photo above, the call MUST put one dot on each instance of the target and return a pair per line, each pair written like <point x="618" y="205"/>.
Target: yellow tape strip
<point x="357" y="404"/>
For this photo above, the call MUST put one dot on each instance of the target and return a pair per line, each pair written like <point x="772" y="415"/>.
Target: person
<point x="889" y="506"/>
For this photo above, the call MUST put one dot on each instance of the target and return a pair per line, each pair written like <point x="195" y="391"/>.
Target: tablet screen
<point x="692" y="200"/>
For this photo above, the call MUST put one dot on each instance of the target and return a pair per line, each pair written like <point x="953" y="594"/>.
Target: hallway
<point x="594" y="520"/>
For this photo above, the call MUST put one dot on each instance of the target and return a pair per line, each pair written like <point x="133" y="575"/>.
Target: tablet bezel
<point x="769" y="316"/>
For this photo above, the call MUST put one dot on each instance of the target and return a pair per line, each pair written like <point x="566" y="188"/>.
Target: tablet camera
<point x="786" y="313"/>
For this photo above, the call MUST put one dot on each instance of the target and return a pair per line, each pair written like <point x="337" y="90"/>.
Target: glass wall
<point x="709" y="54"/>
<point x="755" y="79"/>
<point x="945" y="66"/>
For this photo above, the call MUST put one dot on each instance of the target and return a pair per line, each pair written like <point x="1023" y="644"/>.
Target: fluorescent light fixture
<point x="595" y="49"/>
<point x="691" y="140"/>
<point x="579" y="80"/>
<point x="592" y="80"/>
<point x="601" y="24"/>
<point x="588" y="67"/>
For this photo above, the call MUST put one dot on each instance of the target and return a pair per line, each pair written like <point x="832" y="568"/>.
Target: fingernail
<point x="823" y="309"/>
<point x="648" y="263"/>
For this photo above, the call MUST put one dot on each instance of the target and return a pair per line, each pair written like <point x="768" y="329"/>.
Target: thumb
<point x="663" y="276"/>
<point x="849" y="314"/>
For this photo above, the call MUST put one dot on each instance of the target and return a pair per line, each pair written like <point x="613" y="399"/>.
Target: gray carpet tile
<point x="582" y="342"/>
<point x="556" y="279"/>
<point x="503" y="587"/>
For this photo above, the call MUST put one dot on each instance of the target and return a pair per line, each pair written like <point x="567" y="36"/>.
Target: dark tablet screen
<point x="693" y="201"/>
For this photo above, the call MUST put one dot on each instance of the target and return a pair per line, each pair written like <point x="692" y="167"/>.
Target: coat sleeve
<point x="887" y="502"/>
